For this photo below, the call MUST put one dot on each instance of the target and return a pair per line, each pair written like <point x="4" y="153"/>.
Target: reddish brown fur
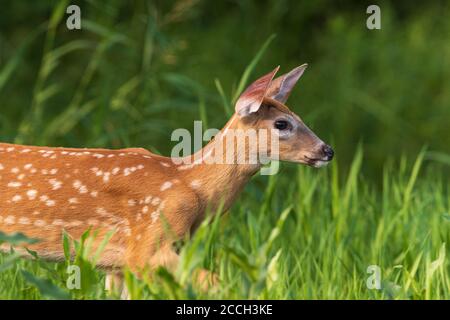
<point x="46" y="220"/>
<point x="132" y="192"/>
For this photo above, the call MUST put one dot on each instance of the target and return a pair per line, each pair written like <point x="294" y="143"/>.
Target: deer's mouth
<point x="316" y="162"/>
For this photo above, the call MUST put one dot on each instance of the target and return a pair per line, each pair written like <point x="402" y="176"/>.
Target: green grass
<point x="310" y="237"/>
<point x="135" y="73"/>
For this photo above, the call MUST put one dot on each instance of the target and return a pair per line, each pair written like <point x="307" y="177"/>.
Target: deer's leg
<point x="165" y="257"/>
<point x="114" y="282"/>
<point x="206" y="279"/>
<point x="169" y="259"/>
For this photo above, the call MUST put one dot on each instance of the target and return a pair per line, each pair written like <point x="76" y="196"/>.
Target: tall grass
<point x="309" y="237"/>
<point x="135" y="73"/>
<point x="128" y="75"/>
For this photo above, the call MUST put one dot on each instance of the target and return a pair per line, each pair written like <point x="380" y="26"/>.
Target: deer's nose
<point x="328" y="152"/>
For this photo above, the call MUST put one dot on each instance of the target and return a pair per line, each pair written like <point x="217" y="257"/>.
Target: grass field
<point x="133" y="74"/>
<point x="307" y="237"/>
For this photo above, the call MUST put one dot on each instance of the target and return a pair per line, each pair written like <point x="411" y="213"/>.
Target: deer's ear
<point x="281" y="87"/>
<point x="252" y="98"/>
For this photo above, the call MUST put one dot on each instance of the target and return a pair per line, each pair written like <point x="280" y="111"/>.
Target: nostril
<point x="329" y="153"/>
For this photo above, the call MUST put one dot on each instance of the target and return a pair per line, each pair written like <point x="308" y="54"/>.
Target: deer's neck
<point x="219" y="182"/>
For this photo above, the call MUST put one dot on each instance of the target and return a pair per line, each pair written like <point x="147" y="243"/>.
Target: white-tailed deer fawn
<point x="137" y="194"/>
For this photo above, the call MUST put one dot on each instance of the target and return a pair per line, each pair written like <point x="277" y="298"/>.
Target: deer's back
<point x="45" y="190"/>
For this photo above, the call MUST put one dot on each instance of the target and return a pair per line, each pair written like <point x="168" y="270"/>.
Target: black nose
<point x="328" y="152"/>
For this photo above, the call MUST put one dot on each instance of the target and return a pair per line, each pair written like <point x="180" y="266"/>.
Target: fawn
<point x="136" y="193"/>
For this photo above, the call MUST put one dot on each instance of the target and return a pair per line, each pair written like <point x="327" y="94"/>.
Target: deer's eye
<point x="281" y="124"/>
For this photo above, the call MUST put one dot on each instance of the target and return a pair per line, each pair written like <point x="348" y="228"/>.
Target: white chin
<point x="320" y="163"/>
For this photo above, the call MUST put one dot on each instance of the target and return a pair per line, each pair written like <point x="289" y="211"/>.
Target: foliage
<point x="319" y="246"/>
<point x="136" y="72"/>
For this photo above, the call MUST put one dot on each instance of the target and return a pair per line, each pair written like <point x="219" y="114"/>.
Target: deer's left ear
<point x="252" y="98"/>
<point x="281" y="87"/>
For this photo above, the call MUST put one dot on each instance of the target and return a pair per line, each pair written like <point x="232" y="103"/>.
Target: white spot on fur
<point x="14" y="184"/>
<point x="106" y="177"/>
<point x="56" y="184"/>
<point x="10" y="220"/>
<point x="31" y="194"/>
<point x="80" y="187"/>
<point x="196" y="184"/>
<point x="77" y="184"/>
<point x="92" y="222"/>
<point x="58" y="222"/>
<point x="50" y="203"/>
<point x="39" y="223"/>
<point x="24" y="220"/>
<point x="166" y="185"/>
<point x="154" y="216"/>
<point x="101" y="211"/>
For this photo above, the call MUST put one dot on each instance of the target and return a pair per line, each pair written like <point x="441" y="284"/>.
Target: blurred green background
<point x="139" y="69"/>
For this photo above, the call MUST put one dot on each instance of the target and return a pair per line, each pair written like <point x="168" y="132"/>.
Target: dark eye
<point x="281" y="124"/>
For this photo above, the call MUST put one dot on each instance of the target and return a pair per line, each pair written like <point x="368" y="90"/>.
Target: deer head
<point x="261" y="107"/>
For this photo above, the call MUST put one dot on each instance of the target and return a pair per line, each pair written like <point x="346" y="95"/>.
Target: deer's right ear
<point x="281" y="87"/>
<point x="252" y="98"/>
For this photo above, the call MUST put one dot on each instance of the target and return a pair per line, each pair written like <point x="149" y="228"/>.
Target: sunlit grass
<point x="305" y="238"/>
<point x="301" y="234"/>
